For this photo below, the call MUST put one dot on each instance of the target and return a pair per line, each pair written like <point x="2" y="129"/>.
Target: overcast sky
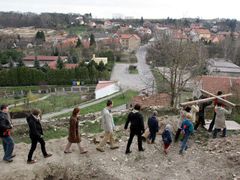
<point x="134" y="8"/>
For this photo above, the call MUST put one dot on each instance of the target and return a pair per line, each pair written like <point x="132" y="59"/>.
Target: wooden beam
<point x="224" y="101"/>
<point x="199" y="101"/>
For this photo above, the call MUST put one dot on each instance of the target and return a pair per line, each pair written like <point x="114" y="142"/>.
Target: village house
<point x="213" y="84"/>
<point x="199" y="34"/>
<point x="106" y="88"/>
<point x="99" y="59"/>
<point x="222" y="67"/>
<point x="130" y="42"/>
<point x="53" y="65"/>
<point x="29" y="60"/>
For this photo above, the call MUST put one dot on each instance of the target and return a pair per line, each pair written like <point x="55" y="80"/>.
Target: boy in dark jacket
<point x="5" y="134"/>
<point x="36" y="135"/>
<point x="136" y="128"/>
<point x="153" y="127"/>
<point x="167" y="138"/>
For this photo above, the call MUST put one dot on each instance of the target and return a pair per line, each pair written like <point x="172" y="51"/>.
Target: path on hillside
<point x="143" y="80"/>
<point x="205" y="159"/>
<point x="48" y="116"/>
<point x="39" y="99"/>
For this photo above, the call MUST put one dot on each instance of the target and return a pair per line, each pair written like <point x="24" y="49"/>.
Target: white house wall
<point x="106" y="91"/>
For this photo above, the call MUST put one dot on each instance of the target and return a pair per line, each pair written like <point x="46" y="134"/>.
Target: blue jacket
<point x="166" y="136"/>
<point x="153" y="124"/>
<point x="187" y="126"/>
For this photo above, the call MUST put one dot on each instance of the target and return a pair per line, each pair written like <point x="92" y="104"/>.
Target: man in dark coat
<point x="136" y="127"/>
<point x="36" y="135"/>
<point x="5" y="134"/>
<point x="153" y="127"/>
<point x="201" y="113"/>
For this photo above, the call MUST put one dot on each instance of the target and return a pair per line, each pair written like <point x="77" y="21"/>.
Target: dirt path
<point x="215" y="159"/>
<point x="48" y="116"/>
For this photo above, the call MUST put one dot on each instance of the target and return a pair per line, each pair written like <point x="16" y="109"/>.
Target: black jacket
<point x="136" y="120"/>
<point x="35" y="127"/>
<point x="4" y="123"/>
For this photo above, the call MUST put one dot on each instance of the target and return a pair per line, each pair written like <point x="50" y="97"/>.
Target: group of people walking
<point x="188" y="116"/>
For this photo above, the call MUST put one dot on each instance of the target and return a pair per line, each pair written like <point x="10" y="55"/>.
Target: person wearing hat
<point x="153" y="127"/>
<point x="187" y="130"/>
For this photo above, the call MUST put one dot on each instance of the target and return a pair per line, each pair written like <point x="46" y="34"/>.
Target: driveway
<point x="143" y="81"/>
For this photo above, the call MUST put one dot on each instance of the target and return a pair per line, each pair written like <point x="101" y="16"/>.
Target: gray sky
<point x="135" y="8"/>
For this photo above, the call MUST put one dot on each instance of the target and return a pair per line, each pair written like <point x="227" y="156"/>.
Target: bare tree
<point x="183" y="59"/>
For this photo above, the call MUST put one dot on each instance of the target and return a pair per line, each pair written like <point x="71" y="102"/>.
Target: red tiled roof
<point x="128" y="36"/>
<point x="53" y="65"/>
<point x="202" y="31"/>
<point x="103" y="84"/>
<point x="43" y="58"/>
<point x="162" y="99"/>
<point x="214" y="84"/>
<point x="70" y="66"/>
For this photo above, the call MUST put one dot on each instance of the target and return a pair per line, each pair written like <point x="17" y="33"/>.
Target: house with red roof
<point x="29" y="60"/>
<point x="130" y="42"/>
<point x="213" y="84"/>
<point x="53" y="65"/>
<point x="106" y="88"/>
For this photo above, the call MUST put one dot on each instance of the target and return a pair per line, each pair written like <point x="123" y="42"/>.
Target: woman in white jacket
<point x="220" y="120"/>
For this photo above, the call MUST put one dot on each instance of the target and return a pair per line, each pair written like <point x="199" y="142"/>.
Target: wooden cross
<point x="220" y="98"/>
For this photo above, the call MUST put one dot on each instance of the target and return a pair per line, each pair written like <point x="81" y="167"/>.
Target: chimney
<point x="94" y="56"/>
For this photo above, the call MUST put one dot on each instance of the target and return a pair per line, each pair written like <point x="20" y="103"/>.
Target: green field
<point x="117" y="101"/>
<point x="53" y="103"/>
<point x="78" y="30"/>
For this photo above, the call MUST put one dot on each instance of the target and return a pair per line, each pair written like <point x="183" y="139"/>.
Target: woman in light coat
<point x="220" y="120"/>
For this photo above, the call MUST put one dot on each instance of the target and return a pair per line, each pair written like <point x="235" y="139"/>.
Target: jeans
<point x="152" y="136"/>
<point x="212" y="123"/>
<point x="139" y="136"/>
<point x="8" y="146"/>
<point x="35" y="140"/>
<point x="215" y="131"/>
<point x="201" y="120"/>
<point x="184" y="145"/>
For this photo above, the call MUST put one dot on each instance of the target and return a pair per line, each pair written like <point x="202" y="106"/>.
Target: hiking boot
<point x="31" y="161"/>
<point x="114" y="147"/>
<point x="48" y="155"/>
<point x="13" y="155"/>
<point x="100" y="149"/>
<point x="8" y="160"/>
<point x="142" y="149"/>
<point x="128" y="152"/>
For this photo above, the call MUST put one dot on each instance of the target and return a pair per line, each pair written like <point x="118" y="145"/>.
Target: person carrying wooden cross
<point x="220" y="120"/>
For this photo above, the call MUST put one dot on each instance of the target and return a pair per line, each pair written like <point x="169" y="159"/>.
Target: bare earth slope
<point x="215" y="159"/>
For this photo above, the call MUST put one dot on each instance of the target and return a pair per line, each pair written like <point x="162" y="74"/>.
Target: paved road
<point x="143" y="80"/>
<point x="48" y="116"/>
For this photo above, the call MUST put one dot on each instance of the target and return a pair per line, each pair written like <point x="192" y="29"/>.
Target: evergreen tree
<point x="92" y="40"/>
<point x="79" y="43"/>
<point x="141" y="21"/>
<point x="101" y="66"/>
<point x="20" y="63"/>
<point x="36" y="64"/>
<point x="60" y="64"/>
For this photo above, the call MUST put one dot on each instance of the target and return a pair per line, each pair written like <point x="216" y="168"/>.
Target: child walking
<point x="167" y="137"/>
